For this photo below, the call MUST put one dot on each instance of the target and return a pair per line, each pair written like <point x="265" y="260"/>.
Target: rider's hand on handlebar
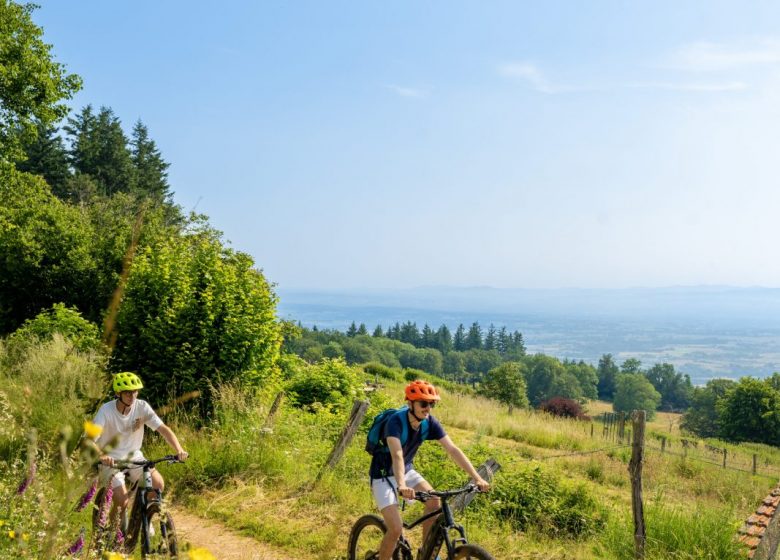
<point x="106" y="460"/>
<point x="182" y="455"/>
<point x="482" y="484"/>
<point x="406" y="492"/>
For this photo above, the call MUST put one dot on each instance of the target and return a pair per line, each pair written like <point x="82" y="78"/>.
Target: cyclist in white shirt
<point x="122" y="421"/>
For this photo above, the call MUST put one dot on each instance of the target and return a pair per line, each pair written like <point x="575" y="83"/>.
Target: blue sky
<point x="550" y="144"/>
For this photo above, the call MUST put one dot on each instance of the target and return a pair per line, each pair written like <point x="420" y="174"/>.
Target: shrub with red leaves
<point x="567" y="408"/>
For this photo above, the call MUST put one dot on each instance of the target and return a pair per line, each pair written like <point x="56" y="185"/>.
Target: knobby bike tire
<point x="472" y="551"/>
<point x="159" y="528"/>
<point x="366" y="536"/>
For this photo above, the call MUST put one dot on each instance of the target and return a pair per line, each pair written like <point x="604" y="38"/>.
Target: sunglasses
<point x="426" y="404"/>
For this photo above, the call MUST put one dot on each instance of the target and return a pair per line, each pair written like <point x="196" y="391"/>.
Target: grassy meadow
<point x="560" y="494"/>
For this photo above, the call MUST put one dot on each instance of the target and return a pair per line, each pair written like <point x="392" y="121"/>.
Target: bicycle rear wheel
<point x="158" y="533"/>
<point x="472" y="551"/>
<point x="366" y="537"/>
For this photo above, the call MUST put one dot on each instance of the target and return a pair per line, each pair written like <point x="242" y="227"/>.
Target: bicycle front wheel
<point x="366" y="538"/>
<point x="158" y="533"/>
<point x="472" y="551"/>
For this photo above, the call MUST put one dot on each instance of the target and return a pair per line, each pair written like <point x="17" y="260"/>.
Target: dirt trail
<point x="222" y="542"/>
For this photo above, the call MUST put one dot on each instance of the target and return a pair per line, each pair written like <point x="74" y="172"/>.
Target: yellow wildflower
<point x="12" y="534"/>
<point x="2" y="522"/>
<point x="113" y="556"/>
<point x="25" y="537"/>
<point x="201" y="554"/>
<point x="93" y="431"/>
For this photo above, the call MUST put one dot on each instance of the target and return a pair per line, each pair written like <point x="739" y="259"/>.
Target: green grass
<point x="260" y="479"/>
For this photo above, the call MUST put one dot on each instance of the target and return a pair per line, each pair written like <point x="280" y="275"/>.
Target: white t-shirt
<point x="125" y="432"/>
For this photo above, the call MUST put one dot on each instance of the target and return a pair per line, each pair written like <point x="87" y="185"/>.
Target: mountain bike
<point x="368" y="531"/>
<point x="147" y="519"/>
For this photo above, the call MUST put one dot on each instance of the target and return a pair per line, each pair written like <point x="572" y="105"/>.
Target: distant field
<point x="702" y="350"/>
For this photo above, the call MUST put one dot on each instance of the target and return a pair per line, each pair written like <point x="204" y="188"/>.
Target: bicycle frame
<point x="138" y="517"/>
<point x="440" y="530"/>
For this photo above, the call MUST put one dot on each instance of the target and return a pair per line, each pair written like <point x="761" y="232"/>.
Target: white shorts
<point x="133" y="475"/>
<point x="387" y="495"/>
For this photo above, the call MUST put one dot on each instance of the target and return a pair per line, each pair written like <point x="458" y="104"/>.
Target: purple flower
<point x="76" y="547"/>
<point x="105" y="507"/>
<point x="27" y="481"/>
<point x="120" y="537"/>
<point x="87" y="497"/>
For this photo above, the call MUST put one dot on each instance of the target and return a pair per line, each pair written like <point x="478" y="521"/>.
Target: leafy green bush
<point x="410" y="374"/>
<point x="195" y="314"/>
<point x="68" y="322"/>
<point x="535" y="497"/>
<point x="332" y="383"/>
<point x="376" y="368"/>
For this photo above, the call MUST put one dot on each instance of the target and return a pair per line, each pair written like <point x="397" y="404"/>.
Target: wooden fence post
<point x="724" y="457"/>
<point x="591" y="430"/>
<point x="359" y="409"/>
<point x="635" y="470"/>
<point x="755" y="459"/>
<point x="274" y="408"/>
<point x="663" y="444"/>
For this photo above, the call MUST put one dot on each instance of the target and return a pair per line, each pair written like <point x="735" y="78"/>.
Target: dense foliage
<point x="565" y="408"/>
<point x="634" y="392"/>
<point x="32" y="85"/>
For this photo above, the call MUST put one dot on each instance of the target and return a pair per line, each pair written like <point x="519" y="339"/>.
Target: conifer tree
<point x="491" y="341"/>
<point x="47" y="157"/>
<point x="459" y="340"/>
<point x="444" y="339"/>
<point x="352" y="331"/>
<point x="362" y="329"/>
<point x="151" y="170"/>
<point x="428" y="337"/>
<point x="378" y="332"/>
<point x="474" y="337"/>
<point x="99" y="148"/>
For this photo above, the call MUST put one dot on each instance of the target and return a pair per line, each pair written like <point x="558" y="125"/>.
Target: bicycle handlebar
<point x="135" y="464"/>
<point x="424" y="496"/>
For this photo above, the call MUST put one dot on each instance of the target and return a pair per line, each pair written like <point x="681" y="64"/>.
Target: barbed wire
<point x="588" y="452"/>
<point x="701" y="460"/>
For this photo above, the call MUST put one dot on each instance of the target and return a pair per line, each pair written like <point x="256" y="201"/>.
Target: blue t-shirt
<point x="382" y="464"/>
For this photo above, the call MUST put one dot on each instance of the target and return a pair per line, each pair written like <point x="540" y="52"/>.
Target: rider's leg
<point x="430" y="505"/>
<point x="157" y="483"/>
<point x="394" y="524"/>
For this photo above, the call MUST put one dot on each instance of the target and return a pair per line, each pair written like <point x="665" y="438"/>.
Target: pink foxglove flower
<point x="27" y="481"/>
<point x="76" y="547"/>
<point x="105" y="507"/>
<point x="87" y="497"/>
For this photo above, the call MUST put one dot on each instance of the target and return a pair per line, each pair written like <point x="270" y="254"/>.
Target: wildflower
<point x="105" y="507"/>
<point x="113" y="556"/>
<point x="25" y="537"/>
<point x="76" y="547"/>
<point x="93" y="431"/>
<point x="2" y="522"/>
<point x="200" y="554"/>
<point x="120" y="537"/>
<point x="87" y="497"/>
<point x="11" y="534"/>
<point x="27" y="481"/>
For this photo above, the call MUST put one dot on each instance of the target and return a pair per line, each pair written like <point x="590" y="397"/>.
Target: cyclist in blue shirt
<point x="398" y="465"/>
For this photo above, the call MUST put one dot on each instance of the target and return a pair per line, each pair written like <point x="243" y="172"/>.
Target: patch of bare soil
<point x="222" y="542"/>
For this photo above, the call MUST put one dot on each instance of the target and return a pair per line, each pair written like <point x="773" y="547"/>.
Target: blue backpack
<point x="375" y="441"/>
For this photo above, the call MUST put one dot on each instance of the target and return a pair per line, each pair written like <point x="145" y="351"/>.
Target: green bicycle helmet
<point x="127" y="381"/>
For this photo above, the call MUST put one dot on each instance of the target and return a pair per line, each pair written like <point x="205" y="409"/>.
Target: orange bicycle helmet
<point x="420" y="390"/>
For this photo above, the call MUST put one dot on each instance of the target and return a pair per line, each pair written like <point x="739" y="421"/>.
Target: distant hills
<point x="706" y="331"/>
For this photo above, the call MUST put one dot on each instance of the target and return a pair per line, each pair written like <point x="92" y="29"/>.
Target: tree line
<point x="88" y="225"/>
